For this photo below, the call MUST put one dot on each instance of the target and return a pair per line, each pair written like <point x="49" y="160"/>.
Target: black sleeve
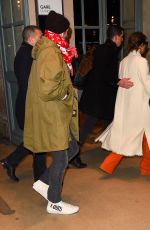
<point x="106" y="62"/>
<point x="22" y="67"/>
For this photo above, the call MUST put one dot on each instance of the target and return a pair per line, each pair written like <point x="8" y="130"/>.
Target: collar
<point x="25" y="44"/>
<point x="135" y="52"/>
<point x="111" y="44"/>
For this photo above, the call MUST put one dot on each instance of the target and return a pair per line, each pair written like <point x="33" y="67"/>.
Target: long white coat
<point x="132" y="111"/>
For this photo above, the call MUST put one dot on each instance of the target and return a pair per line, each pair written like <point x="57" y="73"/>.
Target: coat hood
<point x="41" y="45"/>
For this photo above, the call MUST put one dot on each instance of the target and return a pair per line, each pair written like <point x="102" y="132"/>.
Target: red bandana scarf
<point x="67" y="52"/>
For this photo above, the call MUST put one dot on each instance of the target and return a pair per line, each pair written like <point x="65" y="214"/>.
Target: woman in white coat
<point x="129" y="133"/>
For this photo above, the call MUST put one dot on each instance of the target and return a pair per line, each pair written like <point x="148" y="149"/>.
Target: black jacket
<point x="98" y="98"/>
<point x="22" y="67"/>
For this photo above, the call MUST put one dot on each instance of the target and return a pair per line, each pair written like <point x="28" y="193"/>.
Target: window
<point x="90" y="23"/>
<point x="113" y="12"/>
<point x="11" y="23"/>
<point x="92" y="17"/>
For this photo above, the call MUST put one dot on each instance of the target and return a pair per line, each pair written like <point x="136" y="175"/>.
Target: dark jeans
<point x="84" y="131"/>
<point x="87" y="127"/>
<point x="39" y="165"/>
<point x="89" y="124"/>
<point x="39" y="160"/>
<point x="54" y="175"/>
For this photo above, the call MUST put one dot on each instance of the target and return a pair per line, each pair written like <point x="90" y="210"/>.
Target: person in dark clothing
<point x="99" y="94"/>
<point x="22" y="67"/>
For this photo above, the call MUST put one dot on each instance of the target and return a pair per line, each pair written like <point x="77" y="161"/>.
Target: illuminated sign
<point x="45" y="6"/>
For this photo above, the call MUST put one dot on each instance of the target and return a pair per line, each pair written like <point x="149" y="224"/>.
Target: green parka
<point x="49" y="117"/>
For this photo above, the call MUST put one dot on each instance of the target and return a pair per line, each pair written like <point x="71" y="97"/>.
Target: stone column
<point x="68" y="13"/>
<point x="32" y="12"/>
<point x="146" y="19"/>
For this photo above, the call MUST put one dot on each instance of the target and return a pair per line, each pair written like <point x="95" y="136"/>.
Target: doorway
<point x="13" y="18"/>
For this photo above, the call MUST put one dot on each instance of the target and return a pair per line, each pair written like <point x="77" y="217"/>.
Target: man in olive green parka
<point x="51" y="119"/>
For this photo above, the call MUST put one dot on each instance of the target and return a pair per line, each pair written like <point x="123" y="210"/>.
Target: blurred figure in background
<point x="99" y="94"/>
<point x="22" y="66"/>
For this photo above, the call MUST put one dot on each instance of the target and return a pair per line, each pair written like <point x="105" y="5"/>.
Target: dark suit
<point x="22" y="67"/>
<point x="99" y="94"/>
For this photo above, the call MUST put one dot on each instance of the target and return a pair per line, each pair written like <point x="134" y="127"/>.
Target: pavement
<point x="117" y="202"/>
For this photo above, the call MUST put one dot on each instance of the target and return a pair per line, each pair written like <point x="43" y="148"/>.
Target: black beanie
<point x="56" y="23"/>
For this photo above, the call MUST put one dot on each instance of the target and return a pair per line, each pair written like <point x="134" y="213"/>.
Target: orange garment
<point x="111" y="162"/>
<point x="145" y="162"/>
<point x="113" y="159"/>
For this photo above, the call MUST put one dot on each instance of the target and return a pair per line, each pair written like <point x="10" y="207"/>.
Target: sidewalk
<point x="117" y="202"/>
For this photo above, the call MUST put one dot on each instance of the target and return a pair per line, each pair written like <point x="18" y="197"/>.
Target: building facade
<point x="15" y="14"/>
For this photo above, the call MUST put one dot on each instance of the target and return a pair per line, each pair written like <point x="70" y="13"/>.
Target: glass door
<point x="13" y="18"/>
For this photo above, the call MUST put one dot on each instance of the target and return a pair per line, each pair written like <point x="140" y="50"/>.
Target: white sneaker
<point x="61" y="208"/>
<point x="41" y="188"/>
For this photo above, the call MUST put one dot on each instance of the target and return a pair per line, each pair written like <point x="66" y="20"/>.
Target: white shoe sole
<point x="62" y="213"/>
<point x="61" y="208"/>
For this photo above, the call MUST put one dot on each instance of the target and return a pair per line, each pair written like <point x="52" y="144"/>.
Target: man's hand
<point x="125" y="83"/>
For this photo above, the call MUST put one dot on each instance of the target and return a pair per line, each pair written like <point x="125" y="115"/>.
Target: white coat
<point x="132" y="111"/>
